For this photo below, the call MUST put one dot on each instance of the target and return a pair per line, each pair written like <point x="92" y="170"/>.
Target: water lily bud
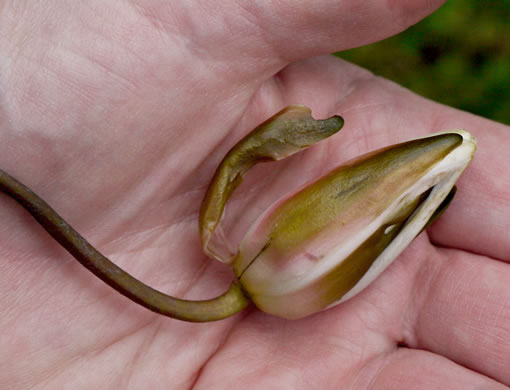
<point x="312" y="249"/>
<point x="323" y="244"/>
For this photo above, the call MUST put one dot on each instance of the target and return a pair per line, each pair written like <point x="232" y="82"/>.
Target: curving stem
<point x="285" y="133"/>
<point x="225" y="305"/>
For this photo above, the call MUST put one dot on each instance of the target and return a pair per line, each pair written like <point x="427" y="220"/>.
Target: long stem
<point x="225" y="305"/>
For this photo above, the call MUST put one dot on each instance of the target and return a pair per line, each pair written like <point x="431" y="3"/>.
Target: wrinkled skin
<point x="118" y="114"/>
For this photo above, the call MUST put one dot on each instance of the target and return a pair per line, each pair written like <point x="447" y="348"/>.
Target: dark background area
<point x="459" y="56"/>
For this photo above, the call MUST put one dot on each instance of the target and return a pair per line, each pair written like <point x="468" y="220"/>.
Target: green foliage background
<point x="459" y="56"/>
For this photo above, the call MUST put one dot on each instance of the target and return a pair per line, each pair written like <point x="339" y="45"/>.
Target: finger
<point x="321" y="27"/>
<point x="461" y="310"/>
<point x="278" y="32"/>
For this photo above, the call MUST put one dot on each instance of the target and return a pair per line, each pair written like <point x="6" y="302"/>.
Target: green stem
<point x="225" y="305"/>
<point x="285" y="133"/>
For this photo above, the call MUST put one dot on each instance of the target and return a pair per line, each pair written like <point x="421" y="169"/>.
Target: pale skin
<point x="118" y="114"/>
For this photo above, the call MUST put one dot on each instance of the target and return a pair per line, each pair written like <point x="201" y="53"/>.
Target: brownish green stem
<point x="285" y="133"/>
<point x="226" y="305"/>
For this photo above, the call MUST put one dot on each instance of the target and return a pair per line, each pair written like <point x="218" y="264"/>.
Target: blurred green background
<point x="460" y="56"/>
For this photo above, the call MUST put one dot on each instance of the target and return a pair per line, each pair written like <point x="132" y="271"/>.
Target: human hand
<point x="118" y="114"/>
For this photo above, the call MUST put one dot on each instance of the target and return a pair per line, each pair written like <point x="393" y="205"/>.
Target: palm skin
<point x="118" y="115"/>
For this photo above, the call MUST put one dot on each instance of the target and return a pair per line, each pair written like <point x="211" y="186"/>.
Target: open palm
<point x="117" y="113"/>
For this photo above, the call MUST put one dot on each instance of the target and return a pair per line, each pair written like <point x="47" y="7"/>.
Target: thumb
<point x="300" y="29"/>
<point x="283" y="31"/>
<point x="253" y="40"/>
